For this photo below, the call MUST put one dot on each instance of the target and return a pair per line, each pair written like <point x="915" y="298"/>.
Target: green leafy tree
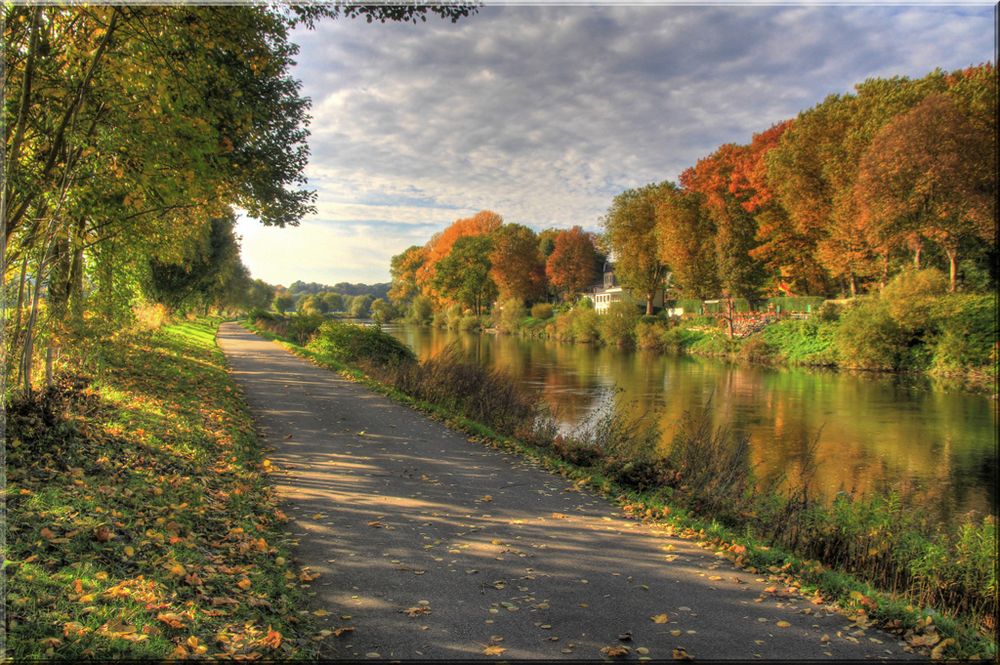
<point x="464" y="274"/>
<point x="630" y="231"/>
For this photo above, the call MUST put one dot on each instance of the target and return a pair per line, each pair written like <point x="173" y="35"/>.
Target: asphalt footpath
<point x="431" y="546"/>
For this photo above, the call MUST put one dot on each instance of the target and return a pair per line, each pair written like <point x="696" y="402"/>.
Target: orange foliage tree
<point x="439" y="246"/>
<point x="517" y="267"/>
<point x="572" y="266"/>
<point x="931" y="173"/>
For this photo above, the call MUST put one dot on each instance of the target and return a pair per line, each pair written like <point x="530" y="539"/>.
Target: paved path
<point x="399" y="513"/>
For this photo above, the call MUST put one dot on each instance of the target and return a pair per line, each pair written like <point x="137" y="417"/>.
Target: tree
<point x="284" y="302"/>
<point x="464" y="274"/>
<point x="403" y="268"/>
<point x="382" y="310"/>
<point x="205" y="266"/>
<point x="334" y="301"/>
<point x="260" y="294"/>
<point x="439" y="246"/>
<point x="128" y="129"/>
<point x="361" y="306"/>
<point x="630" y="230"/>
<point x="572" y="265"/>
<point x="684" y="235"/>
<point x="735" y="228"/>
<point x="931" y="173"/>
<point x="516" y="264"/>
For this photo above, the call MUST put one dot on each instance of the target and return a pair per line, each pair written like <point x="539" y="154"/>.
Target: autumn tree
<point x="630" y="230"/>
<point x="572" y="265"/>
<point x="517" y="268"/>
<point x="735" y="228"/>
<point x="931" y="173"/>
<point x="439" y="246"/>
<point x="403" y="269"/>
<point x="464" y="274"/>
<point x="685" y="243"/>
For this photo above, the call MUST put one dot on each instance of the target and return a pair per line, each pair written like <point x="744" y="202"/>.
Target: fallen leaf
<point x="660" y="618"/>
<point x="337" y="632"/>
<point x="493" y="650"/>
<point x="171" y="619"/>
<point x="783" y="624"/>
<point x="244" y="584"/>
<point x="272" y="639"/>
<point x="680" y="653"/>
<point x="615" y="651"/>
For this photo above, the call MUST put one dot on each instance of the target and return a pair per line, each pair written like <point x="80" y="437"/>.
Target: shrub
<point x="511" y="313"/>
<point x="911" y="297"/>
<point x="351" y="343"/>
<point x="829" y="312"/>
<point x="969" y="332"/>
<point x="453" y="317"/>
<point x="617" y="325"/>
<point x="470" y="323"/>
<point x="541" y="311"/>
<point x="869" y="338"/>
<point x="757" y="349"/>
<point x="485" y="395"/>
<point x="650" y="335"/>
<point x="421" y="310"/>
<point x="584" y="324"/>
<point x="150" y="316"/>
<point x="715" y="343"/>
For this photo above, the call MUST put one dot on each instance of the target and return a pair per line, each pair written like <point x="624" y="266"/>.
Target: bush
<point x="650" y="335"/>
<point x="911" y="297"/>
<point x="829" y="312"/>
<point x="757" y="349"/>
<point x="584" y="324"/>
<point x="421" y="310"/>
<point x="869" y="338"/>
<point x="351" y="343"/>
<point x="485" y="395"/>
<point x="440" y="320"/>
<point x="470" y="323"/>
<point x="969" y="333"/>
<point x="617" y="325"/>
<point x="715" y="343"/>
<point x="511" y="313"/>
<point x="541" y="311"/>
<point x="453" y="317"/>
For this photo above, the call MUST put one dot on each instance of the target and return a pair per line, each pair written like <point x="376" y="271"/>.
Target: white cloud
<point x="544" y="113"/>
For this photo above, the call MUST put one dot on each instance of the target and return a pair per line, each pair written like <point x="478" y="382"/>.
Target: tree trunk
<point x="916" y="256"/>
<point x="952" y="269"/>
<point x="649" y="303"/>
<point x="853" y="284"/>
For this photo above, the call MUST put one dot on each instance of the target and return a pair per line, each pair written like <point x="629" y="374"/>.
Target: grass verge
<point x="936" y="633"/>
<point x="141" y="524"/>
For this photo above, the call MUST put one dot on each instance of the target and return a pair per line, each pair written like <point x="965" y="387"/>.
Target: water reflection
<point x="870" y="431"/>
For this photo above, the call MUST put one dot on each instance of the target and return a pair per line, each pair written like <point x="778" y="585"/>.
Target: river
<point x="871" y="431"/>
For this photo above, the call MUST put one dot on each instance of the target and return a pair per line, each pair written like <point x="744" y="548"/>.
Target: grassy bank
<point x="877" y="557"/>
<point x="912" y="326"/>
<point x="140" y="521"/>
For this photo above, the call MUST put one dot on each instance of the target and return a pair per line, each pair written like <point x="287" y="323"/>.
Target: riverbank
<point x="837" y="548"/>
<point x="140" y="520"/>
<point x="949" y="337"/>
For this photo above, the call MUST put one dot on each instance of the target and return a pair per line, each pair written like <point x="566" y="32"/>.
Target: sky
<point x="544" y="114"/>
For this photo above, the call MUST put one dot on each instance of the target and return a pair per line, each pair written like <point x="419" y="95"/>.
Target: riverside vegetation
<point x="879" y="556"/>
<point x="912" y="325"/>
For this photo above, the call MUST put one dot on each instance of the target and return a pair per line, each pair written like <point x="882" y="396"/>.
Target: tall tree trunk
<point x="649" y="302"/>
<point x="952" y="254"/>
<point x="853" y="285"/>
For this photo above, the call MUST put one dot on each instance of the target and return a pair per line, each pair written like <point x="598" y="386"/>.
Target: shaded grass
<point x="140" y="521"/>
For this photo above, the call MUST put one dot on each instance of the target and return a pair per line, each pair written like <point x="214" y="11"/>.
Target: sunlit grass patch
<point x="140" y="523"/>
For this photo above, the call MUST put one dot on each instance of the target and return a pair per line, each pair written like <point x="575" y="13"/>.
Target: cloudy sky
<point x="543" y="114"/>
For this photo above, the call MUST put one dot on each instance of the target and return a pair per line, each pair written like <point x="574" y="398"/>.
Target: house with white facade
<point x="610" y="291"/>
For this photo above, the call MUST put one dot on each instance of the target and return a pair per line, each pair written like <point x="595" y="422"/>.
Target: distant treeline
<point x="343" y="288"/>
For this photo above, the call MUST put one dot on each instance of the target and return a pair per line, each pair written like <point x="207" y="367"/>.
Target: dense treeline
<point x="132" y="136"/>
<point x="832" y="203"/>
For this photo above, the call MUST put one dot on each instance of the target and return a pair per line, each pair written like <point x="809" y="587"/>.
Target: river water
<point x="863" y="432"/>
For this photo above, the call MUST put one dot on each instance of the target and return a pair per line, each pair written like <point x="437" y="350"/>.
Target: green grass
<point x="140" y="520"/>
